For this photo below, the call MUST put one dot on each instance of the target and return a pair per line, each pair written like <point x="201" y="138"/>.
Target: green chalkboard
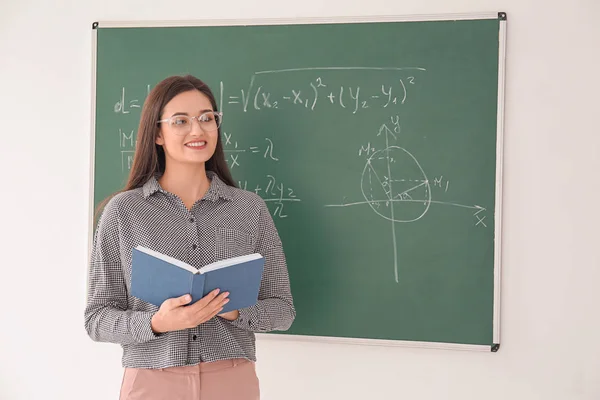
<point x="376" y="144"/>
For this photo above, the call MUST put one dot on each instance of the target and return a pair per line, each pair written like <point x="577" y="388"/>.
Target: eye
<point x="180" y="120"/>
<point x="206" y="117"/>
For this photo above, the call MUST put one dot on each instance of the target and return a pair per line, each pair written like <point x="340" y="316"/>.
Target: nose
<point x="195" y="129"/>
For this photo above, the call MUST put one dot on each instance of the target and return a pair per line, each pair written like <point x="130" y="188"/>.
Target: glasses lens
<point x="180" y="122"/>
<point x="209" y="121"/>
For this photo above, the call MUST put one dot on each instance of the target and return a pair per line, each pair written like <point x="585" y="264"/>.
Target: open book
<point x="156" y="277"/>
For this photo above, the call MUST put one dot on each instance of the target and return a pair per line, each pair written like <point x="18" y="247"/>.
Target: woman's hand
<point x="173" y="316"/>
<point x="231" y="315"/>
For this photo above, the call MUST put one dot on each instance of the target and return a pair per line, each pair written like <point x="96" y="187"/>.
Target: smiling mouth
<point x="196" y="145"/>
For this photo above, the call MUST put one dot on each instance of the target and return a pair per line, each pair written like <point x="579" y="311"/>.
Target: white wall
<point x="550" y="319"/>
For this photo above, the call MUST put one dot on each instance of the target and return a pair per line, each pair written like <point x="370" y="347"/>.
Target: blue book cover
<point x="156" y="277"/>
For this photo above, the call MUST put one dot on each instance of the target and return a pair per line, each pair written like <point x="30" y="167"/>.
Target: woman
<point x="181" y="200"/>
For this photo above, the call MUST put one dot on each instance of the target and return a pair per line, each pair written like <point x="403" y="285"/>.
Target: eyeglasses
<point x="182" y="124"/>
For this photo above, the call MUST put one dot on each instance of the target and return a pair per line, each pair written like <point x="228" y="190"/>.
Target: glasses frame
<point x="218" y="114"/>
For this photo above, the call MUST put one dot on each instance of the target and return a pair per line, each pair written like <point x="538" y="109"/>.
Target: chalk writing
<point x="395" y="186"/>
<point x="273" y="192"/>
<point x="233" y="150"/>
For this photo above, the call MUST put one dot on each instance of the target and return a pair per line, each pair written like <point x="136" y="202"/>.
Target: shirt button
<point x="194" y="247"/>
<point x="194" y="337"/>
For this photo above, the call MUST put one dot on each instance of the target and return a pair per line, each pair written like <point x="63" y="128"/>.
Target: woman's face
<point x="188" y="141"/>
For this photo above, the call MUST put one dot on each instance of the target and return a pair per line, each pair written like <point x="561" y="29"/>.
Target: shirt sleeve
<point x="275" y="308"/>
<point x="107" y="318"/>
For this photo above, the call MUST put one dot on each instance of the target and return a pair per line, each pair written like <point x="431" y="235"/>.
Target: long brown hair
<point x="149" y="158"/>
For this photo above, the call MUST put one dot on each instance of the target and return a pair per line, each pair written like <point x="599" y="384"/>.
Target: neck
<point x="189" y="183"/>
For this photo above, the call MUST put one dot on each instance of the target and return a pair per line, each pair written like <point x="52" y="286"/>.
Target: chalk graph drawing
<point x="395" y="186"/>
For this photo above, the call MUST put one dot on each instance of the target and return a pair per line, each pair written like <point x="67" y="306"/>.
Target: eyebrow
<point x="184" y="113"/>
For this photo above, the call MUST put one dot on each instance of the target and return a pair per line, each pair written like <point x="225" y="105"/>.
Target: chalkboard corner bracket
<point x="95" y="25"/>
<point x="502" y="16"/>
<point x="495" y="347"/>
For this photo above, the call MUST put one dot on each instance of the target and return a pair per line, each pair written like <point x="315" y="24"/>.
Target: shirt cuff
<point x="141" y="327"/>
<point x="247" y="319"/>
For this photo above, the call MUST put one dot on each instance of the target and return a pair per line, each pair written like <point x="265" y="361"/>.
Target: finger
<point x="203" y="302"/>
<point x="219" y="301"/>
<point x="206" y="315"/>
<point x="221" y="305"/>
<point x="214" y="304"/>
<point x="177" y="301"/>
<point x="215" y="313"/>
<point x="213" y="308"/>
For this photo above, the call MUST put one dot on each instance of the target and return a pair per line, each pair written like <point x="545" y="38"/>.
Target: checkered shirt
<point x="226" y="222"/>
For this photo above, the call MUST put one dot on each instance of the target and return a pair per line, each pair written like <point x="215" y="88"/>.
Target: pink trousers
<point x="223" y="380"/>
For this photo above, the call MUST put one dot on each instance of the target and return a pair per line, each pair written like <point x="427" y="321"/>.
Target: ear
<point x="159" y="140"/>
